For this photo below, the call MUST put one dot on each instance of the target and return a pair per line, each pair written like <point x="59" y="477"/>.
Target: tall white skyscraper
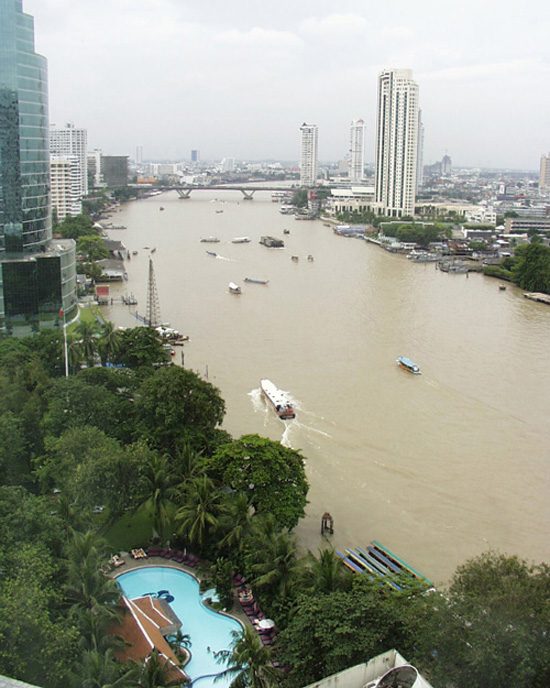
<point x="308" y="158"/>
<point x="68" y="141"/>
<point x="420" y="153"/>
<point x="396" y="143"/>
<point x="65" y="186"/>
<point x="357" y="150"/>
<point x="544" y="176"/>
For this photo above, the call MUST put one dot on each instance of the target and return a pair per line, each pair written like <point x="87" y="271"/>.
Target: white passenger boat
<point x="234" y="288"/>
<point x="278" y="400"/>
<point x="240" y="240"/>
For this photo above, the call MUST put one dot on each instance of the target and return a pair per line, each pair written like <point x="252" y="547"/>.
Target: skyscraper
<point x="308" y="156"/>
<point x="544" y="176"/>
<point x="37" y="276"/>
<point x="396" y="143"/>
<point x="70" y="141"/>
<point x="357" y="150"/>
<point x="420" y="153"/>
<point x="25" y="221"/>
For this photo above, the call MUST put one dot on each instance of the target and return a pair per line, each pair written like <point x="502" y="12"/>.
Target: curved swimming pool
<point x="209" y="631"/>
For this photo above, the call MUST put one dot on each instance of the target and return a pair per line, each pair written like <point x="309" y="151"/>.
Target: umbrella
<point x="266" y="623"/>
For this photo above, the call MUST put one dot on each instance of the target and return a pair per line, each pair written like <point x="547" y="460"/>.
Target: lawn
<point x="89" y="314"/>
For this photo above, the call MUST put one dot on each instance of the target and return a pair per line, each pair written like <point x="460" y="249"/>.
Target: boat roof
<point x="407" y="361"/>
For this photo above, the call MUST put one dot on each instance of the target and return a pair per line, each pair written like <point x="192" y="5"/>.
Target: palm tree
<point x="87" y="337"/>
<point x="239" y="522"/>
<point x="160" y="481"/>
<point x="200" y="513"/>
<point x="325" y="573"/>
<point x="110" y="342"/>
<point x="101" y="670"/>
<point x="86" y="588"/>
<point x="249" y="662"/>
<point x="156" y="673"/>
<point x="279" y="569"/>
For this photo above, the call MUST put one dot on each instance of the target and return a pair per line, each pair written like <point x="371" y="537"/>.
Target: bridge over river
<point x="184" y="192"/>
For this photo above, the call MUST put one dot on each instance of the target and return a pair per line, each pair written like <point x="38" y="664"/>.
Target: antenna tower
<point x="152" y="309"/>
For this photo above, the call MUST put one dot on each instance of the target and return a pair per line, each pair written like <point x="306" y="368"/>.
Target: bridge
<point x="184" y="192"/>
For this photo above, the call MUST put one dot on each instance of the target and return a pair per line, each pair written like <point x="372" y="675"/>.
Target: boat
<point x="210" y="240"/>
<point x="278" y="400"/>
<point x="272" y="242"/>
<point x="134" y="253"/>
<point x="294" y="258"/>
<point x="240" y="240"/>
<point x="286" y="209"/>
<point x="211" y="253"/>
<point x="234" y="288"/>
<point x="286" y="231"/>
<point x="255" y="281"/>
<point x="153" y="250"/>
<point x="407" y="364"/>
<point x="502" y="287"/>
<point x="219" y="211"/>
<point x="161" y="207"/>
<point x="310" y="258"/>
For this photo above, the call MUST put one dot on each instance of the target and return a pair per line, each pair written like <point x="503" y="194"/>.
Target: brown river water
<point x="438" y="467"/>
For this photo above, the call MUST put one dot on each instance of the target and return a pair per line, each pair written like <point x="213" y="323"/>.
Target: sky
<point x="237" y="78"/>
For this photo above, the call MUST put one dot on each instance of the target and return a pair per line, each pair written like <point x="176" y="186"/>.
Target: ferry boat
<point x="407" y="364"/>
<point x="234" y="288"/>
<point x="282" y="407"/>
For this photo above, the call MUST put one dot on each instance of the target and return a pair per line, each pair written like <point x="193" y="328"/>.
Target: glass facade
<point x="25" y="215"/>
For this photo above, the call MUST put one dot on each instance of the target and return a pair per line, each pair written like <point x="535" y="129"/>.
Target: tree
<point x="92" y="248"/>
<point x="325" y="573"/>
<point x="249" y="662"/>
<point x="96" y="669"/>
<point x="86" y="333"/>
<point x="141" y="347"/>
<point x="491" y="625"/>
<point x="109" y="343"/>
<point x="272" y="475"/>
<point x="349" y="628"/>
<point x="160" y="487"/>
<point x="200" y="512"/>
<point x="532" y="269"/>
<point x="155" y="673"/>
<point x="175" y="406"/>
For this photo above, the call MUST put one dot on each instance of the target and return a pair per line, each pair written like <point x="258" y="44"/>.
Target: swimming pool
<point x="209" y="631"/>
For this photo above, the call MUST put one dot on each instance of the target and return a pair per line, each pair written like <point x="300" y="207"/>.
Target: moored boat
<point x="240" y="240"/>
<point x="255" y="281"/>
<point x="234" y="288"/>
<point x="278" y="400"/>
<point x="407" y="364"/>
<point x="210" y="240"/>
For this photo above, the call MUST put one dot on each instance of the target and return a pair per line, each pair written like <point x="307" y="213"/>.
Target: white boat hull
<point x="278" y="400"/>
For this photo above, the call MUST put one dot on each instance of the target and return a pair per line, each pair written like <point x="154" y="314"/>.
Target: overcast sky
<point x="236" y="78"/>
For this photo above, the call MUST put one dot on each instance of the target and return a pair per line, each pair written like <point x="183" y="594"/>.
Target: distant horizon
<point x="239" y="81"/>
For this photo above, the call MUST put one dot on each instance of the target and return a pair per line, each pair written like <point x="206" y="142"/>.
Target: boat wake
<point x="296" y="434"/>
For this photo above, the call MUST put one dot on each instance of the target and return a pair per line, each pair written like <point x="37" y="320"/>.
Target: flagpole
<point x="65" y="344"/>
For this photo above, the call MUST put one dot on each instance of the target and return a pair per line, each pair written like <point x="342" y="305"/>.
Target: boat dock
<point x="380" y="564"/>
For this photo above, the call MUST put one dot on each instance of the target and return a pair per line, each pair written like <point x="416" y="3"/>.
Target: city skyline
<point x="238" y="81"/>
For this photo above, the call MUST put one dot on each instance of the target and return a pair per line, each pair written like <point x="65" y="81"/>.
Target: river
<point x="439" y="467"/>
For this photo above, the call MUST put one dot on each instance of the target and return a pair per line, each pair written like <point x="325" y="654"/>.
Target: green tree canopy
<point x="274" y="476"/>
<point x="532" y="267"/>
<point x="175" y="406"/>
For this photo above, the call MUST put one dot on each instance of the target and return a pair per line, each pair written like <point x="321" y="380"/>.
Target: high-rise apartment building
<point x="357" y="150"/>
<point x="37" y="275"/>
<point x="396" y="143"/>
<point x="420" y="153"/>
<point x="195" y="155"/>
<point x="65" y="187"/>
<point x="69" y="140"/>
<point x="308" y="157"/>
<point x="544" y="175"/>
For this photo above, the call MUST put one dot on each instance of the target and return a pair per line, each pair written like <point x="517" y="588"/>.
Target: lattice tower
<point x="152" y="309"/>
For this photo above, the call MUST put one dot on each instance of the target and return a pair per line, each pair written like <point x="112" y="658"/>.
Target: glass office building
<point x="31" y="268"/>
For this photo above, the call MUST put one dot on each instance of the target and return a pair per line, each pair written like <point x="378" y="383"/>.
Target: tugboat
<point x="278" y="400"/>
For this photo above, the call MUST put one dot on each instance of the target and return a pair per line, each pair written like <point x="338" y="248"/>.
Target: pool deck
<point x="130" y="564"/>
